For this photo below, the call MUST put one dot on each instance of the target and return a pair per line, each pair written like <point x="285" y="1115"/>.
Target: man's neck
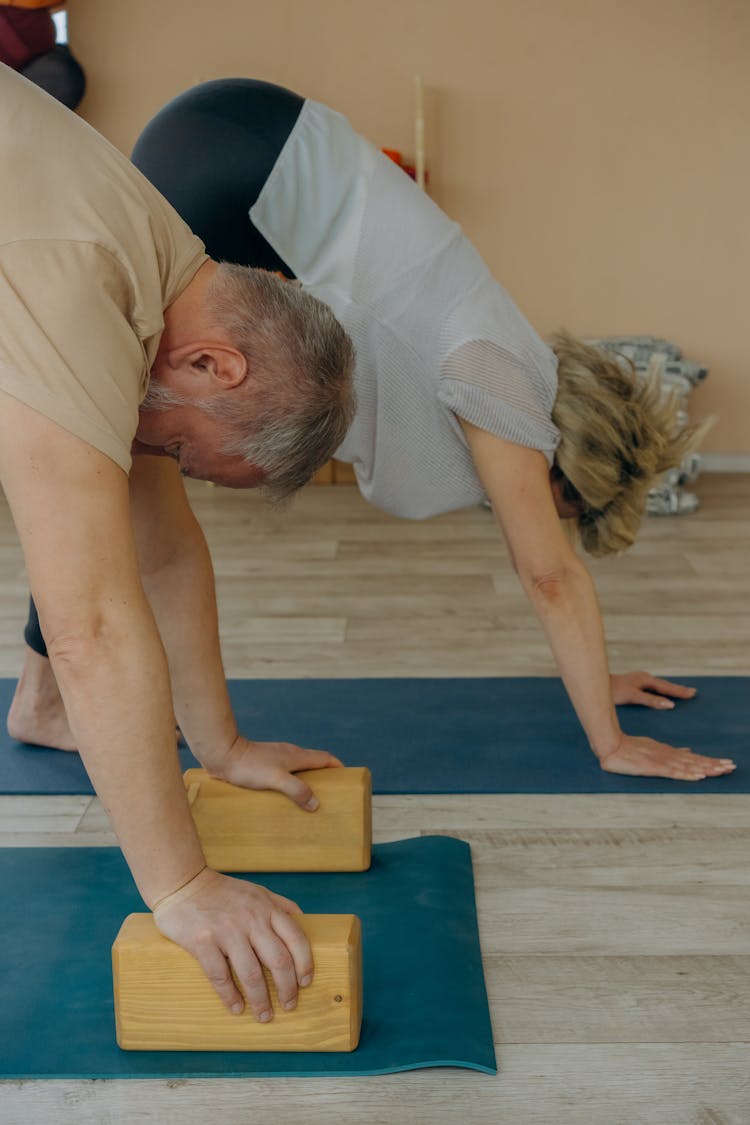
<point x="187" y="312"/>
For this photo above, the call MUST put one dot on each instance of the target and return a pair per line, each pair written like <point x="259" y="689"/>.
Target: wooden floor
<point x="615" y="929"/>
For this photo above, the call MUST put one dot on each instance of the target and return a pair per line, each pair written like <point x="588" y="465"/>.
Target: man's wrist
<point x="186" y="890"/>
<point x="214" y="754"/>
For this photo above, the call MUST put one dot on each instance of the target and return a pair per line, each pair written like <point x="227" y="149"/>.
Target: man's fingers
<point x="286" y="904"/>
<point x="273" y="765"/>
<point x="297" y="944"/>
<point x="247" y="968"/>
<point x="215" y="966"/>
<point x="298" y="791"/>
<point x="236" y="930"/>
<point x="317" y="760"/>
<point x="277" y="957"/>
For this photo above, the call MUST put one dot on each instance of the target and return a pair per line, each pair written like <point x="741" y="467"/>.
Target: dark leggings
<point x="209" y="152"/>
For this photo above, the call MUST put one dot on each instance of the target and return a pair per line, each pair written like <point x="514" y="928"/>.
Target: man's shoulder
<point x="68" y="266"/>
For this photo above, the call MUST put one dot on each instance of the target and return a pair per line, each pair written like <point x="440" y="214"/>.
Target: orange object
<point x="398" y="158"/>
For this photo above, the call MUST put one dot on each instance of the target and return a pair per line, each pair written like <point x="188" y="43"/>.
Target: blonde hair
<point x="618" y="431"/>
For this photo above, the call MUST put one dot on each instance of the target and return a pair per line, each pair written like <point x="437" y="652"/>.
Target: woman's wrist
<point x="606" y="744"/>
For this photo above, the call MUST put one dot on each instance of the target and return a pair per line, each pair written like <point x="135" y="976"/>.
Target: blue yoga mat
<point x="503" y="735"/>
<point x="425" y="1002"/>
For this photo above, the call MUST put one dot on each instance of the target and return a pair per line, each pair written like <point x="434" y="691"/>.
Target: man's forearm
<point x="71" y="506"/>
<point x="183" y="600"/>
<point x="115" y="687"/>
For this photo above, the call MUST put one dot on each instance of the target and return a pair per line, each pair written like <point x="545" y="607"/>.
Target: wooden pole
<point x="419" y="132"/>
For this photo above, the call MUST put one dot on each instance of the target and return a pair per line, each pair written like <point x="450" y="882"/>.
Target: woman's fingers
<point x="648" y="699"/>
<point x="648" y="691"/>
<point x="644" y="757"/>
<point x="667" y="687"/>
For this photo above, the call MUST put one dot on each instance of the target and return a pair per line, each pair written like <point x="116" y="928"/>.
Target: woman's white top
<point x="436" y="336"/>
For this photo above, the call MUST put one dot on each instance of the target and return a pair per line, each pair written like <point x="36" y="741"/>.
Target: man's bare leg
<point x="37" y="713"/>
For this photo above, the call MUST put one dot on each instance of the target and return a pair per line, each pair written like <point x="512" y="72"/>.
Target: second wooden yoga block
<point x="164" y="1002"/>
<point x="254" y="830"/>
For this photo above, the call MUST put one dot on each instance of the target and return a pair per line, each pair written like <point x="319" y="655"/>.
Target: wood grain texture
<point x="247" y="830"/>
<point x="164" y="1002"/>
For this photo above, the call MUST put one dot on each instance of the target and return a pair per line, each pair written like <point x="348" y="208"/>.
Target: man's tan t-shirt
<point x="90" y="256"/>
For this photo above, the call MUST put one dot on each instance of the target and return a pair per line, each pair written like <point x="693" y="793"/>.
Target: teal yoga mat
<point x="425" y="1002"/>
<point x="485" y="735"/>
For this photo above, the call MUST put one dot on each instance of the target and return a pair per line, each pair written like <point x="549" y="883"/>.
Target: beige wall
<point x="596" y="151"/>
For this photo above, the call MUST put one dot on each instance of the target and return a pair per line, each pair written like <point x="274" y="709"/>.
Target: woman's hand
<point x="235" y="928"/>
<point x="644" y="757"/>
<point x="273" y="765"/>
<point x="648" y="690"/>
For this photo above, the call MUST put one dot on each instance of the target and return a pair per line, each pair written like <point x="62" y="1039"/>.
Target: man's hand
<point x="273" y="765"/>
<point x="233" y="929"/>
<point x="644" y="757"/>
<point x="648" y="690"/>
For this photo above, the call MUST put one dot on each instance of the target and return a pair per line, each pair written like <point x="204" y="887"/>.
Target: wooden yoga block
<point x="253" y="830"/>
<point x="164" y="1002"/>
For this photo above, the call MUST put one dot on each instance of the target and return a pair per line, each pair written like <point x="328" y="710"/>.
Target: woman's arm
<point x="562" y="594"/>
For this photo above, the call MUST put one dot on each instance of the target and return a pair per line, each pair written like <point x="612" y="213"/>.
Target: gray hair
<point x="297" y="403"/>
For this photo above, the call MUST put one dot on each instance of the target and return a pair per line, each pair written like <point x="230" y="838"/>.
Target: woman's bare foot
<point x="37" y="713"/>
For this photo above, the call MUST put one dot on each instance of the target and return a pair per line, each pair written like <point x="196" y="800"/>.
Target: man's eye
<point x="172" y="450"/>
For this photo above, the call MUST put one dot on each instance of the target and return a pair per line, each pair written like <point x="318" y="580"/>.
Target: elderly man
<point x="103" y="287"/>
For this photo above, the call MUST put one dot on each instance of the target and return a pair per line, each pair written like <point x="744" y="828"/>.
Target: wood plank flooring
<point x="615" y="929"/>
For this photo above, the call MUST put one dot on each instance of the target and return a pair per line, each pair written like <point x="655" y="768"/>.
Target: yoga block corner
<point x="164" y="1002"/>
<point x="256" y="830"/>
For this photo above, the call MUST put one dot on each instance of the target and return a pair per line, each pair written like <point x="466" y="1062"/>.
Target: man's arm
<point x="71" y="507"/>
<point x="179" y="582"/>
<point x="562" y="594"/>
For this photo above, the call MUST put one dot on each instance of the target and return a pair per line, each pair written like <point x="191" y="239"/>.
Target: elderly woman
<point x="458" y="398"/>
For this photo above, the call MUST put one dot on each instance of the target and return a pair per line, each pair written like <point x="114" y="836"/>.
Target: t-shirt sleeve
<point x="492" y="389"/>
<point x="67" y="345"/>
<point x="496" y="373"/>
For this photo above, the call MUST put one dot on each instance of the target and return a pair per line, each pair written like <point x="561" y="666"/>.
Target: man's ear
<point x="223" y="366"/>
